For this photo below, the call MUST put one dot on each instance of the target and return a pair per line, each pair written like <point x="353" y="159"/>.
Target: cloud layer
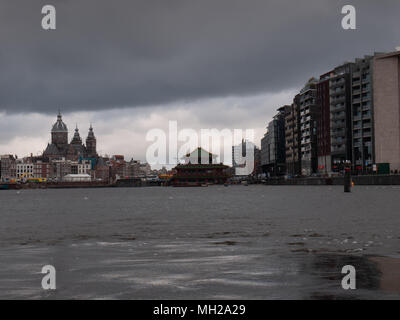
<point x="123" y="53"/>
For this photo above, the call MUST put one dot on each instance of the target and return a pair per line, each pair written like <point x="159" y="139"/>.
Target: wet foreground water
<point x="236" y="242"/>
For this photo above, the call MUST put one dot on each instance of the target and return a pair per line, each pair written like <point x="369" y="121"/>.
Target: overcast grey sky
<point x="137" y="59"/>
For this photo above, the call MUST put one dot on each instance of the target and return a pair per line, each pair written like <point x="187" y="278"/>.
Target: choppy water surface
<point x="237" y="242"/>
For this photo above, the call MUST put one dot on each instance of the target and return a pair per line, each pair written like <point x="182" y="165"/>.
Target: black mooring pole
<point x="347" y="180"/>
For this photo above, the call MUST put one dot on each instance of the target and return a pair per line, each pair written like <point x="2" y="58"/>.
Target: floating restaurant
<point x="199" y="169"/>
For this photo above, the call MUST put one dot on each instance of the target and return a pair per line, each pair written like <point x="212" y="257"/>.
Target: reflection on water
<point x="389" y="269"/>
<point x="192" y="270"/>
<point x="373" y="274"/>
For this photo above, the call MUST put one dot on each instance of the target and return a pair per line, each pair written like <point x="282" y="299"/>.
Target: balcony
<point x="338" y="140"/>
<point x="366" y="89"/>
<point x="366" y="108"/>
<point x="367" y="134"/>
<point x="309" y="103"/>
<point x="338" y="131"/>
<point x="335" y="108"/>
<point x="337" y="81"/>
<point x="304" y="120"/>
<point x="366" y="79"/>
<point x="338" y="116"/>
<point x="340" y="149"/>
<point x="335" y="125"/>
<point x="289" y="118"/>
<point x="338" y="99"/>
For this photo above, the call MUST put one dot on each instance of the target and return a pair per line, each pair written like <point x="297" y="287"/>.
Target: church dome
<point x="59" y="126"/>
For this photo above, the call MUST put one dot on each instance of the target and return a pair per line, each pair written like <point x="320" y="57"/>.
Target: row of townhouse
<point x="13" y="168"/>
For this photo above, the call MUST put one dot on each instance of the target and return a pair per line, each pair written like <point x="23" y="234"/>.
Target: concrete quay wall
<point x="358" y="180"/>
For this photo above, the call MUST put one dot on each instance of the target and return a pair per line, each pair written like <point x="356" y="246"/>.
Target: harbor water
<point x="216" y="242"/>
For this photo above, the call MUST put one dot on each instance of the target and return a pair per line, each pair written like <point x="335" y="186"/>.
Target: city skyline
<point x="207" y="154"/>
<point x="320" y="97"/>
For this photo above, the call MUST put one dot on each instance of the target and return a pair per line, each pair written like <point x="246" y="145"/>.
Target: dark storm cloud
<point x="107" y="54"/>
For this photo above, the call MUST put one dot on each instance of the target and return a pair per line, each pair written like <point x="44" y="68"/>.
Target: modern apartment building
<point x="309" y="114"/>
<point x="273" y="151"/>
<point x="292" y="138"/>
<point x="386" y="98"/>
<point x="363" y="149"/>
<point x="351" y="113"/>
<point x="340" y="91"/>
<point x="324" y="124"/>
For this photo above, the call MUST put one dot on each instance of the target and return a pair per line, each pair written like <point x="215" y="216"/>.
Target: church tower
<point x="59" y="134"/>
<point x="91" y="144"/>
<point x="76" y="148"/>
<point x="76" y="140"/>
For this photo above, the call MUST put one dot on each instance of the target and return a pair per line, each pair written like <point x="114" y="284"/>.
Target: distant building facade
<point x="363" y="146"/>
<point x="292" y="138"/>
<point x="8" y="167"/>
<point x="324" y="124"/>
<point x="386" y="83"/>
<point x="355" y="117"/>
<point x="340" y="110"/>
<point x="309" y="114"/>
<point x="273" y="150"/>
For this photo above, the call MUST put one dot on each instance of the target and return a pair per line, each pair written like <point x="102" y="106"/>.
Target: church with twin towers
<point x="60" y="147"/>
